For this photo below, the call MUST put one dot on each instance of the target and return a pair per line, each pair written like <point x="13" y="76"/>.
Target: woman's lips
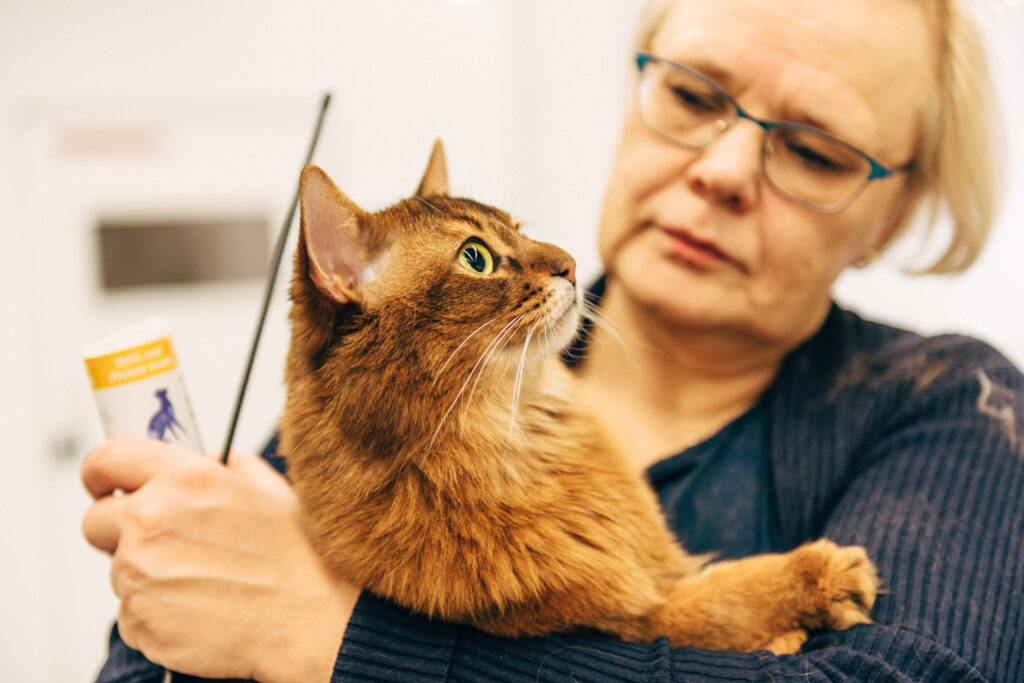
<point x="696" y="251"/>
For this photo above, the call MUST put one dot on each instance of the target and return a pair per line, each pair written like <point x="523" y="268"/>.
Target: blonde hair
<point x="954" y="164"/>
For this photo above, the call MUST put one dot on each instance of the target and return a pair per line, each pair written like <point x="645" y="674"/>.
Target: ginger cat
<point x="442" y="462"/>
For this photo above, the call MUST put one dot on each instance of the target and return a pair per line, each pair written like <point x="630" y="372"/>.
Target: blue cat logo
<point x="164" y="419"/>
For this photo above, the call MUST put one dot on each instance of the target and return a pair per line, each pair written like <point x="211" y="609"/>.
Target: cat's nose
<point x="567" y="269"/>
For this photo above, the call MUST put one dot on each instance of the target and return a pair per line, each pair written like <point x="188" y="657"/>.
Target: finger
<point x="256" y="470"/>
<point x="103" y="522"/>
<point x="127" y="464"/>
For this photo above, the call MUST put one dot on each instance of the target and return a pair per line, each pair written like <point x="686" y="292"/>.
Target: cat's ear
<point x="343" y="250"/>
<point x="435" y="178"/>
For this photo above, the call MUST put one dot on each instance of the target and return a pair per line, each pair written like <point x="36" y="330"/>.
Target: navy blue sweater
<point x="910" y="446"/>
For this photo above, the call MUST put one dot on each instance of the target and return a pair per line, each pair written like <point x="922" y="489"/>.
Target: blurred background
<point x="179" y="129"/>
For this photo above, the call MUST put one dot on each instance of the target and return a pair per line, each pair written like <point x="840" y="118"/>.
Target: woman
<point x="721" y="235"/>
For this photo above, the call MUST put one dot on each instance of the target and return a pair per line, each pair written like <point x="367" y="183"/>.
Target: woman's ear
<point x="435" y="178"/>
<point x="903" y="208"/>
<point x="345" y="252"/>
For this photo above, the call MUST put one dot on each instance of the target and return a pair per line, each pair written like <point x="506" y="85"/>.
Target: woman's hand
<point x="214" y="573"/>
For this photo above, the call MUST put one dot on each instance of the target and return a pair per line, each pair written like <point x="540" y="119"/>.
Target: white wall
<point x="527" y="95"/>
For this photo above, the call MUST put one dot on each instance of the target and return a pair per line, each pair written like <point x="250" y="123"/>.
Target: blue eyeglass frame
<point x="878" y="170"/>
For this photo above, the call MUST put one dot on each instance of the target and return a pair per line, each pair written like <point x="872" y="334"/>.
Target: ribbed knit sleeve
<point x="936" y="494"/>
<point x="388" y="644"/>
<point x="914" y="448"/>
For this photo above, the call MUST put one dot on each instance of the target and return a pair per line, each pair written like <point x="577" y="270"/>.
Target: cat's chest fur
<point x="483" y="499"/>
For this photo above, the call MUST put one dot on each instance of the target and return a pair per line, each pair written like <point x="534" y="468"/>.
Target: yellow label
<point x="131" y="365"/>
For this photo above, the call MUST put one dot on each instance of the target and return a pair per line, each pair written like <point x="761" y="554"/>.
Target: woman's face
<point x="700" y="238"/>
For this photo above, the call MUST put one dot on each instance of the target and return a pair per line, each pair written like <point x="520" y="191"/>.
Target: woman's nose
<point x="728" y="171"/>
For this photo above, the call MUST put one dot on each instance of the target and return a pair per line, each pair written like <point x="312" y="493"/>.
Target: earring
<point x="867" y="259"/>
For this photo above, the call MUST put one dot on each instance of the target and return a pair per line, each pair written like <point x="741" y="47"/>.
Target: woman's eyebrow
<point x="805" y="118"/>
<point x="722" y="76"/>
<point x="841" y="126"/>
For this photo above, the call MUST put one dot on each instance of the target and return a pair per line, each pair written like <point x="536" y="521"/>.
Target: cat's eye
<point x="477" y="258"/>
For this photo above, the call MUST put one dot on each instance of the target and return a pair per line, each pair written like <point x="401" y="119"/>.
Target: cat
<point x="442" y="462"/>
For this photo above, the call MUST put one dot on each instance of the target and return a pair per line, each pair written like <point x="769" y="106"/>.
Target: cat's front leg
<point x="771" y="601"/>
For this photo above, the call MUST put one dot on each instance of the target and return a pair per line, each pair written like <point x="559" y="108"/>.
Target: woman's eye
<point x="813" y="159"/>
<point x="476" y="258"/>
<point x="693" y="100"/>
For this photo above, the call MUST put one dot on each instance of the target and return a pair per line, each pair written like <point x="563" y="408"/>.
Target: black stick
<point x="275" y="266"/>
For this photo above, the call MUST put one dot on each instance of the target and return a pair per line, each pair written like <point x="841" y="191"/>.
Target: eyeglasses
<point x="807" y="165"/>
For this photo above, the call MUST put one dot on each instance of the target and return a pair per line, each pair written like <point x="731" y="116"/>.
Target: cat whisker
<point x="427" y="204"/>
<point x="627" y="343"/>
<point x="591" y="312"/>
<point x="505" y="330"/>
<point x="497" y="344"/>
<point x="500" y="342"/>
<point x="519" y="379"/>
<point x="518" y="382"/>
<point x="440" y="370"/>
<point x="602" y="321"/>
<point x="494" y="350"/>
<point x="546" y="338"/>
<point x="315" y="430"/>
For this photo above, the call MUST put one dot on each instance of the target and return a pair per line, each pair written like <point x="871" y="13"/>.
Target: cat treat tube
<point x="138" y="387"/>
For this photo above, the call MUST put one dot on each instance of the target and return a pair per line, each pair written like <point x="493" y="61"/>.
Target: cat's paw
<point x="789" y="643"/>
<point x="841" y="584"/>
